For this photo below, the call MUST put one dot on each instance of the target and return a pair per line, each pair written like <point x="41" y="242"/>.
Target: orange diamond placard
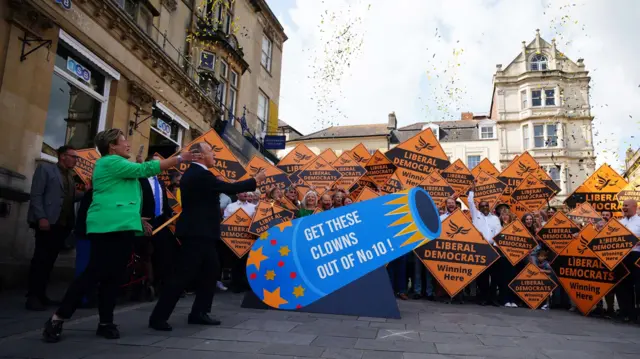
<point x="486" y="166"/>
<point x="350" y="169"/>
<point x="417" y="158"/>
<point x="361" y="154"/>
<point x="532" y="286"/>
<point x="234" y="232"/>
<point x="532" y="193"/>
<point x="558" y="232"/>
<point x="362" y="183"/>
<point x="458" y="177"/>
<point x="85" y="163"/>
<point x="488" y="188"/>
<point x="515" y="242"/>
<point x="275" y="176"/>
<point x="379" y="168"/>
<point x="613" y="243"/>
<point x="225" y="163"/>
<point x="268" y="215"/>
<point x="600" y="191"/>
<point x="328" y="155"/>
<point x="367" y="194"/>
<point x="319" y="174"/>
<point x="393" y="185"/>
<point x="584" y="210"/>
<point x="438" y="188"/>
<point x="297" y="159"/>
<point x="459" y="255"/>
<point x="584" y="277"/>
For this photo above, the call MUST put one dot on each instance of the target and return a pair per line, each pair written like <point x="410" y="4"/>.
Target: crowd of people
<point x="126" y="203"/>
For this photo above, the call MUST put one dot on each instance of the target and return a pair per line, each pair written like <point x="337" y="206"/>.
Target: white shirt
<point x="200" y="164"/>
<point x="249" y="208"/>
<point x="444" y="216"/>
<point x="633" y="225"/>
<point x="152" y="183"/>
<point x="488" y="225"/>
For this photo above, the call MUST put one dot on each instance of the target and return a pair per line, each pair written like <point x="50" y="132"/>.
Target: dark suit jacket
<point x="149" y="203"/>
<point x="200" y="191"/>
<point x="47" y="194"/>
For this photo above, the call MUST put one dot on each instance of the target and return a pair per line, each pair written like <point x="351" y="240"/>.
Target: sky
<point x="350" y="62"/>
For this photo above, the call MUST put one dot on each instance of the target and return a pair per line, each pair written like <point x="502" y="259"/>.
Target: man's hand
<point x="43" y="224"/>
<point x="260" y="176"/>
<point x="147" y="227"/>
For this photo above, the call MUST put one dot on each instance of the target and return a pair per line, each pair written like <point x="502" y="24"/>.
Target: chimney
<point x="393" y="122"/>
<point x="467" y="116"/>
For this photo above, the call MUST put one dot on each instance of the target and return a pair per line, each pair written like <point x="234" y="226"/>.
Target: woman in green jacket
<point x="309" y="204"/>
<point x="113" y="222"/>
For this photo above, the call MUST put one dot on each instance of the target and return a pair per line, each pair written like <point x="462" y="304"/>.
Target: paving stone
<point x="35" y="348"/>
<point x="437" y="337"/>
<point x="334" y="342"/>
<point x="570" y="354"/>
<point x="385" y="325"/>
<point x="488" y="351"/>
<point x="336" y="331"/>
<point x="342" y="353"/>
<point x="490" y="330"/>
<point x="268" y="325"/>
<point x="371" y="354"/>
<point x="295" y="350"/>
<point x="396" y="346"/>
<point x="437" y="356"/>
<point x="124" y="352"/>
<point x="373" y="319"/>
<point x="279" y="337"/>
<point x="222" y="334"/>
<point x="448" y="328"/>
<point x="397" y="334"/>
<point x="229" y="346"/>
<point x="178" y="343"/>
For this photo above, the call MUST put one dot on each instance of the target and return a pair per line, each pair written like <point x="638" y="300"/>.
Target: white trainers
<point x="545" y="307"/>
<point x="511" y="305"/>
<point x="221" y="286"/>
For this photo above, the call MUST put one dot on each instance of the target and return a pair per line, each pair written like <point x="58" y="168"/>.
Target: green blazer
<point x="117" y="197"/>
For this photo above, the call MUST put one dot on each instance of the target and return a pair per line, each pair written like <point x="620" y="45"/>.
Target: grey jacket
<point x="47" y="194"/>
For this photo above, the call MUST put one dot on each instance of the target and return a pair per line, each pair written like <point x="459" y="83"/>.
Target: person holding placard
<point x="627" y="288"/>
<point x="309" y="204"/>
<point x="489" y="225"/>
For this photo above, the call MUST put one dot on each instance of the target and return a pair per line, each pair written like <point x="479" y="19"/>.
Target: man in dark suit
<point x="198" y="228"/>
<point x="155" y="207"/>
<point x="52" y="215"/>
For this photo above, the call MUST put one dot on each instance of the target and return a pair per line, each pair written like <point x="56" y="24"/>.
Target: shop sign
<point x="79" y="70"/>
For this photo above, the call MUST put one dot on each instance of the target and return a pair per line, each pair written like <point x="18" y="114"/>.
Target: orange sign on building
<point x="459" y="255"/>
<point x="85" y="163"/>
<point x="532" y="286"/>
<point x="613" y="243"/>
<point x="393" y="185"/>
<point x="297" y="159"/>
<point x="379" y="168"/>
<point x="319" y="174"/>
<point x="275" y="176"/>
<point x="350" y="169"/>
<point x="417" y="158"/>
<point x="532" y="193"/>
<point x="583" y="275"/>
<point x="438" y="188"/>
<point x="361" y="154"/>
<point x="234" y="232"/>
<point x="558" y="232"/>
<point x="225" y="163"/>
<point x="458" y="177"/>
<point x="268" y="215"/>
<point x="515" y="242"/>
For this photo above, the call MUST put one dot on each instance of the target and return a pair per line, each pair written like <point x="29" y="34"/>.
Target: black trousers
<point x="490" y="280"/>
<point x="165" y="250"/>
<point x="110" y="254"/>
<point x="48" y="246"/>
<point x="198" y="260"/>
<point x="626" y="290"/>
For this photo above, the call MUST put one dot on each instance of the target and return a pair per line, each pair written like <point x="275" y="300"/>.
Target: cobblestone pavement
<point x="427" y="330"/>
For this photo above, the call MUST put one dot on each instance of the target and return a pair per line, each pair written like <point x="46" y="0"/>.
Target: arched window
<point x="538" y="62"/>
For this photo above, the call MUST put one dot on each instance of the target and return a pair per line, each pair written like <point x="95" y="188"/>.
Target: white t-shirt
<point x="488" y="225"/>
<point x="249" y="208"/>
<point x="633" y="225"/>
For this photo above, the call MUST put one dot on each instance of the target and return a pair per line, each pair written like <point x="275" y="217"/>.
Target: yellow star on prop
<point x="271" y="275"/>
<point x="284" y="225"/>
<point x="284" y="251"/>
<point x="298" y="291"/>
<point x="264" y="235"/>
<point x="273" y="299"/>
<point x="256" y="257"/>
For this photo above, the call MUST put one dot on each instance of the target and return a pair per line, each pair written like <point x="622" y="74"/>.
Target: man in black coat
<point x="155" y="207"/>
<point x="198" y="228"/>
